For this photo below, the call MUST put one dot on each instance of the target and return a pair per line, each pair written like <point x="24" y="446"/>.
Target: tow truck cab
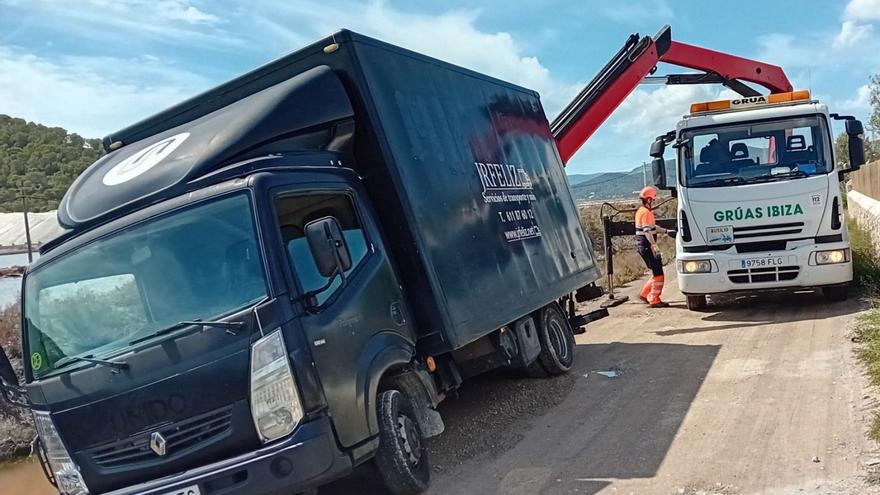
<point x="759" y="196"/>
<point x="269" y="284"/>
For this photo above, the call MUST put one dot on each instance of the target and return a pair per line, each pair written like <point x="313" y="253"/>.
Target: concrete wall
<point x="866" y="212"/>
<point x="866" y="180"/>
<point x="44" y="227"/>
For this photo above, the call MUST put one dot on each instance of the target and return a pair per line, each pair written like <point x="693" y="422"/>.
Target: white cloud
<point x="646" y="114"/>
<point x="851" y="33"/>
<point x="121" y="21"/>
<point x="181" y="11"/>
<point x="451" y="36"/>
<point x="859" y="104"/>
<point x="862" y="10"/>
<point x="78" y="93"/>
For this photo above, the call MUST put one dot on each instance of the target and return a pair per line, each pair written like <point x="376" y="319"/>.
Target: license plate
<point x="719" y="235"/>
<point x="762" y="262"/>
<point x="189" y="490"/>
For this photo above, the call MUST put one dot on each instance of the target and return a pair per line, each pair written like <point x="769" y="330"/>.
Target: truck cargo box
<point x="463" y="171"/>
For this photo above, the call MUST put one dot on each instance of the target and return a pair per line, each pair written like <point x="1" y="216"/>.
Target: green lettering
<point x="798" y="210"/>
<point x="759" y="212"/>
<point x="749" y="213"/>
<point x="728" y="215"/>
<point x="719" y="216"/>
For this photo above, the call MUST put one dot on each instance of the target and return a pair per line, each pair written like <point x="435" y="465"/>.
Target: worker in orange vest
<point x="647" y="231"/>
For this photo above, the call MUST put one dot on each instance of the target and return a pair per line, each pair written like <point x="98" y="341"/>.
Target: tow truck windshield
<point x="199" y="263"/>
<point x="773" y="150"/>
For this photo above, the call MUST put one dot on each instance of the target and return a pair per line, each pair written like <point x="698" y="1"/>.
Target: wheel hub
<point x="409" y="439"/>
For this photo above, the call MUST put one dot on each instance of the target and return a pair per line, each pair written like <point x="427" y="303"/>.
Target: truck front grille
<point x="761" y="275"/>
<point x="769" y="230"/>
<point x="179" y="436"/>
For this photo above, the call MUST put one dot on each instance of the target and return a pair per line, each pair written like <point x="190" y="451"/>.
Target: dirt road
<point x="738" y="400"/>
<point x="742" y="399"/>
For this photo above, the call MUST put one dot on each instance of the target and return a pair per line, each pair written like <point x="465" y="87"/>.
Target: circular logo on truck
<point x="143" y="160"/>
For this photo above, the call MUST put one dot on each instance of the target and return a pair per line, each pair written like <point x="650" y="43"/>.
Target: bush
<point x="10" y="330"/>
<point x="866" y="262"/>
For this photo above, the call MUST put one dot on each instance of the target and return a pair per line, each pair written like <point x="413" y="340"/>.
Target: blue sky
<point x="93" y="66"/>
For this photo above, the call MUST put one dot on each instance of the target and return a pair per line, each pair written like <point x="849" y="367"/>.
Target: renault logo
<point x="157" y="443"/>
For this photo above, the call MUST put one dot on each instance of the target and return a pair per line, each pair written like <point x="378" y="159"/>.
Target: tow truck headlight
<point x="65" y="471"/>
<point x="275" y="403"/>
<point x="832" y="257"/>
<point x="694" y="266"/>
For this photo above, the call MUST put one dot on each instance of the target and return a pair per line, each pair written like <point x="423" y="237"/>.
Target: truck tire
<point x="557" y="341"/>
<point x="696" y="303"/>
<point x="402" y="457"/>
<point x="836" y="293"/>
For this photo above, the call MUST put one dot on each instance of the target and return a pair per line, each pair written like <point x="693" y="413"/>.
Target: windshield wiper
<point x="116" y="365"/>
<point x="720" y="182"/>
<point x="228" y="325"/>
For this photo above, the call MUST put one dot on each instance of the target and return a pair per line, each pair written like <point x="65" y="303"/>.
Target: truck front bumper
<point x="307" y="458"/>
<point x="730" y="275"/>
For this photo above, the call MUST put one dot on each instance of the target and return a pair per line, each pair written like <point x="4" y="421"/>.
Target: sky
<point x="95" y="66"/>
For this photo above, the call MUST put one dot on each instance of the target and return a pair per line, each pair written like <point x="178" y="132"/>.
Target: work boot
<point x="660" y="304"/>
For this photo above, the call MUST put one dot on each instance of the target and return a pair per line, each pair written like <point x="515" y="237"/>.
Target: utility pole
<point x="27" y="226"/>
<point x="644" y="174"/>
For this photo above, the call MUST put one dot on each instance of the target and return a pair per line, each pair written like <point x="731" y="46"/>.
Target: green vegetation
<point x="40" y="161"/>
<point x="866" y="271"/>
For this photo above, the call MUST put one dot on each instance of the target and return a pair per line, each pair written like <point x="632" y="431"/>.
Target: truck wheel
<point x="836" y="294"/>
<point x="402" y="457"/>
<point x="557" y="341"/>
<point x="696" y="303"/>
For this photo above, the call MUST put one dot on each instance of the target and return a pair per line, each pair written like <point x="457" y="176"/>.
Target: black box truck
<point x="278" y="280"/>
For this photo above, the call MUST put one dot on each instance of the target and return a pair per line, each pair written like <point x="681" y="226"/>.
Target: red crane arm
<point x="637" y="59"/>
<point x="728" y="66"/>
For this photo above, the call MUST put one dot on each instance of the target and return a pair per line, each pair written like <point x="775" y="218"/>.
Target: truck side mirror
<point x="328" y="246"/>
<point x="658" y="147"/>
<point x="658" y="169"/>
<point x="10" y="390"/>
<point x="856" y="145"/>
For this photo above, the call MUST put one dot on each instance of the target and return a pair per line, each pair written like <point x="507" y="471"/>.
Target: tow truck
<point x="757" y="181"/>
<point x="276" y="281"/>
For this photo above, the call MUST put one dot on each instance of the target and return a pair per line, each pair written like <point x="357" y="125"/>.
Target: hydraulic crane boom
<point x="638" y="59"/>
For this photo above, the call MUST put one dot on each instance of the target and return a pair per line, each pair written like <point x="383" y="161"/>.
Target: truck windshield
<point x="773" y="150"/>
<point x="199" y="263"/>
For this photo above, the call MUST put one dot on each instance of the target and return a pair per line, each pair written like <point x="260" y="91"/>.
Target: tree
<point x="874" y="100"/>
<point x="40" y="161"/>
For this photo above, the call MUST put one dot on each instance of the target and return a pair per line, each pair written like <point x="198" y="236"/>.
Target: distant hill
<point x="616" y="185"/>
<point x="43" y="161"/>
<point x="579" y="178"/>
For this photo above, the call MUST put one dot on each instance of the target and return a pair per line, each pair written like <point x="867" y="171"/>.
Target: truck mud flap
<point x="579" y="322"/>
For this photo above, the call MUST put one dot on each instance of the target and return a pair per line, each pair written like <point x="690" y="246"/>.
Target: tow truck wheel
<point x="836" y="293"/>
<point x="402" y="457"/>
<point x="696" y="303"/>
<point x="557" y="341"/>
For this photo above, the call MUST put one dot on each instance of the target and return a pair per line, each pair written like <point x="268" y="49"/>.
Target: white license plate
<point x="719" y="235"/>
<point x="189" y="490"/>
<point x="762" y="262"/>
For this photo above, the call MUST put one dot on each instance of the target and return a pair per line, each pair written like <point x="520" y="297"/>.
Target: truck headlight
<point x="832" y="257"/>
<point x="66" y="472"/>
<point x="275" y="403"/>
<point x="694" y="266"/>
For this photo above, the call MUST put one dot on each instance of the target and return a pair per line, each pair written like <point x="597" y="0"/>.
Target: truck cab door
<point x="351" y="323"/>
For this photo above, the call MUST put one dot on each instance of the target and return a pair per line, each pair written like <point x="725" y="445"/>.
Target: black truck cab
<point x="280" y="279"/>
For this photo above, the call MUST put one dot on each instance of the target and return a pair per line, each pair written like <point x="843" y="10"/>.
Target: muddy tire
<point x="837" y="293"/>
<point x="696" y="303"/>
<point x="402" y="457"/>
<point x="557" y="341"/>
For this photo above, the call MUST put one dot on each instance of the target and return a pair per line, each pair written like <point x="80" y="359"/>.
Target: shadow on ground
<point x="563" y="435"/>
<point x="759" y="309"/>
